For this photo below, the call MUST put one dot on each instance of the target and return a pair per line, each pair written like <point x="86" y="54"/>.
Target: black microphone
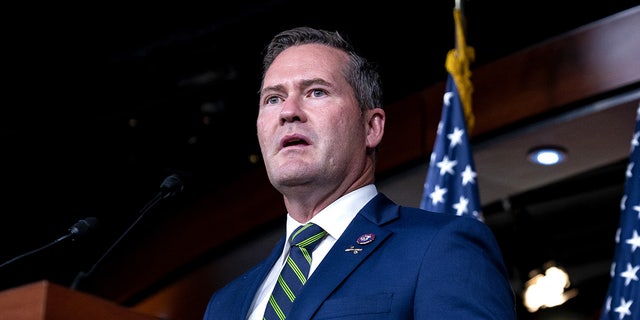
<point x="171" y="186"/>
<point x="83" y="226"/>
<point x="77" y="230"/>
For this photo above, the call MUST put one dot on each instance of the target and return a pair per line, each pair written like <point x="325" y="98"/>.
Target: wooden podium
<point x="44" y="300"/>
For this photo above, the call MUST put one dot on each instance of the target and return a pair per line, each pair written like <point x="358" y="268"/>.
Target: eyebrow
<point x="276" y="88"/>
<point x="303" y="84"/>
<point x="310" y="82"/>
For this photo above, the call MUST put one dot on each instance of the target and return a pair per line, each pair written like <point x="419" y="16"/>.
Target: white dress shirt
<point x="334" y="219"/>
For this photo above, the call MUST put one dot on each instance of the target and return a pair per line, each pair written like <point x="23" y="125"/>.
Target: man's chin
<point x="289" y="180"/>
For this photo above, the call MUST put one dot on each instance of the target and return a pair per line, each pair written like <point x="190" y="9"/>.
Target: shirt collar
<point x="337" y="216"/>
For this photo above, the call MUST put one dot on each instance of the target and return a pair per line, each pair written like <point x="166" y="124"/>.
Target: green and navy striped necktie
<point x="295" y="272"/>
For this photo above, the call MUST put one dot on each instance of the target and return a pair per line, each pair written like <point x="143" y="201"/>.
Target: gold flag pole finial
<point x="457" y="64"/>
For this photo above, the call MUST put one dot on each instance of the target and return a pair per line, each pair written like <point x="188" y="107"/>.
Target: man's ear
<point x="375" y="127"/>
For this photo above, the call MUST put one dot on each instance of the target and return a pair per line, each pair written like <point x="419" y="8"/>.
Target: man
<point x="319" y="124"/>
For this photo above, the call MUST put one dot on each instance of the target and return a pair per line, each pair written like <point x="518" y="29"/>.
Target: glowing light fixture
<point x="547" y="289"/>
<point x="547" y="155"/>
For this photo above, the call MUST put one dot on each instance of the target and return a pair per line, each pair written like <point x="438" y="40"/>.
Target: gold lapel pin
<point x="354" y="250"/>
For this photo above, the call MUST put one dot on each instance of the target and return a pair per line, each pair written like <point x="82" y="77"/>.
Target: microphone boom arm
<point x="79" y="228"/>
<point x="169" y="187"/>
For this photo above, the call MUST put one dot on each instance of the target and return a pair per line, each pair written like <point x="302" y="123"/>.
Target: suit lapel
<point x="353" y="247"/>
<point x="260" y="274"/>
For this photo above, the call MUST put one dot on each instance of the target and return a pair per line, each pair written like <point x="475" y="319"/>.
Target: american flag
<point x="451" y="185"/>
<point x="623" y="296"/>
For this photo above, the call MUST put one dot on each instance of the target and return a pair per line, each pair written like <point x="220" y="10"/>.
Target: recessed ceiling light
<point x="547" y="155"/>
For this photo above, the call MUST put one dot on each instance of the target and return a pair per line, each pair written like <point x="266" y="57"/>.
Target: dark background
<point x="102" y="102"/>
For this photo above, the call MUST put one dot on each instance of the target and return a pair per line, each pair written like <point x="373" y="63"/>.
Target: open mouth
<point x="294" y="142"/>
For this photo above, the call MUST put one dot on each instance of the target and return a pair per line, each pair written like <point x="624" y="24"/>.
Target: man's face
<point x="310" y="127"/>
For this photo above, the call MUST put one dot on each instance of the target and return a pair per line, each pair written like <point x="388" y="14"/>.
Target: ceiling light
<point x="547" y="155"/>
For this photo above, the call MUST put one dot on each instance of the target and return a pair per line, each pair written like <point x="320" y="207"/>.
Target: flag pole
<point x="458" y="65"/>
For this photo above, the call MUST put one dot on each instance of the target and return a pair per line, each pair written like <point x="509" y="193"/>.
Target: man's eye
<point x="318" y="93"/>
<point x="273" y="100"/>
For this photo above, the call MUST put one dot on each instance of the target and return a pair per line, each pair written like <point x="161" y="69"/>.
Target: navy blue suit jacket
<point x="421" y="265"/>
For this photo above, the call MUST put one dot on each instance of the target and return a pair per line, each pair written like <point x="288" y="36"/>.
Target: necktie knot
<point x="307" y="236"/>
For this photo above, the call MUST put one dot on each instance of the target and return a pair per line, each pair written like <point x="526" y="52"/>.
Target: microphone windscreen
<point x="171" y="185"/>
<point x="83" y="226"/>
